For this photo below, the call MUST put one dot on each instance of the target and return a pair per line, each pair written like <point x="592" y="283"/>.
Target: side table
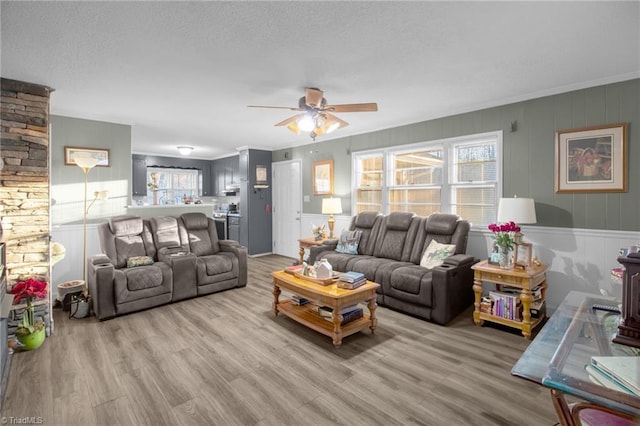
<point x="306" y="243"/>
<point x="525" y="280"/>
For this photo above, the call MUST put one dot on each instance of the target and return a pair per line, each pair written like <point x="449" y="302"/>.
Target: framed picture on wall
<point x="72" y="152"/>
<point x="593" y="159"/>
<point x="322" y="177"/>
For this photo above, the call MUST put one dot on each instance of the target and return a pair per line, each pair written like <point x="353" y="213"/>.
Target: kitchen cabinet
<point x="139" y="176"/>
<point x="233" y="223"/>
<point x="207" y="189"/>
<point x="225" y="174"/>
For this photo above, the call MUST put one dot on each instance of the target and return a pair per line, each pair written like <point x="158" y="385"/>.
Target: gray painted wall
<point x="67" y="182"/>
<point x="528" y="153"/>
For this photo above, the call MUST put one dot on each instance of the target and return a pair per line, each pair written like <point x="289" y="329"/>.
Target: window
<point x="369" y="176"/>
<point x="457" y="175"/>
<point x="174" y="184"/>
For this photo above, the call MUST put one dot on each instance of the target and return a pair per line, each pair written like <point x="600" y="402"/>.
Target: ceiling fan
<point x="316" y="116"/>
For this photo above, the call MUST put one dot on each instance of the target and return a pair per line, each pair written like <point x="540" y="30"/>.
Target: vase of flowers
<point x="318" y="232"/>
<point x="31" y="332"/>
<point x="504" y="236"/>
<point x="153" y="186"/>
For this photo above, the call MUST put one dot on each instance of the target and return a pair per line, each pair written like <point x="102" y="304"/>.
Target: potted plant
<point x="31" y="332"/>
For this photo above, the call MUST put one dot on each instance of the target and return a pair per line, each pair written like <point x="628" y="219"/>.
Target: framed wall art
<point x="72" y="152"/>
<point x="593" y="159"/>
<point x="322" y="177"/>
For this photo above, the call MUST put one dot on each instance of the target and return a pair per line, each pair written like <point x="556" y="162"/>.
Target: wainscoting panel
<point x="580" y="259"/>
<point x="70" y="267"/>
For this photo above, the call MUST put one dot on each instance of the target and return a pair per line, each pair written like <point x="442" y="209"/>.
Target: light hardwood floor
<point x="225" y="359"/>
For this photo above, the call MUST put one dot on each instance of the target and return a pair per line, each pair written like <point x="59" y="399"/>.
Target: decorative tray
<point x="326" y="281"/>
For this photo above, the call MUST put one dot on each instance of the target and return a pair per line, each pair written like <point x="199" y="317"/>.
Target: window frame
<point x="171" y="170"/>
<point x="448" y="185"/>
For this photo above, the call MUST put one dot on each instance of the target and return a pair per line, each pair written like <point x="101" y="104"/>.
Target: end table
<point x="306" y="243"/>
<point x="524" y="280"/>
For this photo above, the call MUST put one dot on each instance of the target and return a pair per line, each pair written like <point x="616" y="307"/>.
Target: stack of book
<point x="620" y="373"/>
<point x="298" y="300"/>
<point x="537" y="308"/>
<point x="351" y="280"/>
<point x="505" y="305"/>
<point x="349" y="313"/>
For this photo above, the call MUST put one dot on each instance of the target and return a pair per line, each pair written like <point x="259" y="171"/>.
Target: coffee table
<point x="321" y="295"/>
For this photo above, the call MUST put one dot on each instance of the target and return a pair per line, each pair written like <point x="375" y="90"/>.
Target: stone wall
<point x="24" y="186"/>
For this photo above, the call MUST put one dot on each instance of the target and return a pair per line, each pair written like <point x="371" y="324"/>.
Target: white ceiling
<point x="183" y="73"/>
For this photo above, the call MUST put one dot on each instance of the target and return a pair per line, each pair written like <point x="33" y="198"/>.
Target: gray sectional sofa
<point x="390" y="252"/>
<point x="164" y="259"/>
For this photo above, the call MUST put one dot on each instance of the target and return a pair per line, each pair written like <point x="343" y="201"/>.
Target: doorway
<point x="287" y="207"/>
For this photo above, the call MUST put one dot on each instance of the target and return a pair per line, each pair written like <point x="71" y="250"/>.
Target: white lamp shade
<point x="518" y="210"/>
<point x="86" y="162"/>
<point x="331" y="206"/>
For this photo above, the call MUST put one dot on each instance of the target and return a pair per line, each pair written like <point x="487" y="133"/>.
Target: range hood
<point x="231" y="189"/>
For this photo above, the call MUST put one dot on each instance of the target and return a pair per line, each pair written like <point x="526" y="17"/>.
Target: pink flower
<point x="504" y="234"/>
<point x="31" y="288"/>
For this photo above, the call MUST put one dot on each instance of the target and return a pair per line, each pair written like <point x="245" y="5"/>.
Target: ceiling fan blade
<point x="292" y="119"/>
<point x="274" y="107"/>
<point x="333" y="119"/>
<point x="368" y="107"/>
<point x="313" y="97"/>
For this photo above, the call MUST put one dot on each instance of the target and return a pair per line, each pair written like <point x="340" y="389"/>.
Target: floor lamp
<point x="86" y="164"/>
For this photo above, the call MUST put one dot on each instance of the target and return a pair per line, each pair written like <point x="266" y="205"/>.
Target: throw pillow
<point x="139" y="261"/>
<point x="436" y="253"/>
<point x="348" y="242"/>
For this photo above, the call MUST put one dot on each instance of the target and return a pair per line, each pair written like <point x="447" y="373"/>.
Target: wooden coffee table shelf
<point x="331" y="296"/>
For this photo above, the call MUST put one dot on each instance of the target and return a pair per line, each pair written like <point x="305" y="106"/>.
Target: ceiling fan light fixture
<point x="332" y="127"/>
<point x="316" y="114"/>
<point x="185" y="150"/>
<point x="306" y="123"/>
<point x="294" y="128"/>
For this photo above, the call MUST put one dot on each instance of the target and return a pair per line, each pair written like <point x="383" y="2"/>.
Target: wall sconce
<point x="331" y="206"/>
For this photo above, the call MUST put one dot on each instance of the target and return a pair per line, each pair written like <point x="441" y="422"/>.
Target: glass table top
<point x="560" y="356"/>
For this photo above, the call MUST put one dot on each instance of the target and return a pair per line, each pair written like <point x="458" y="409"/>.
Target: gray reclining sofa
<point x="164" y="259"/>
<point x="390" y="252"/>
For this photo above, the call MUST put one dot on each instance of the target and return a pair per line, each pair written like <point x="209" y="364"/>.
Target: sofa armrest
<point x="166" y="254"/>
<point x="327" y="245"/>
<point x="241" y="253"/>
<point x="452" y="286"/>
<point x="459" y="259"/>
<point x="184" y="270"/>
<point x="100" y="277"/>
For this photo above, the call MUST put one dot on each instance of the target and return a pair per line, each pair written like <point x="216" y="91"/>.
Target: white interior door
<point x="287" y="207"/>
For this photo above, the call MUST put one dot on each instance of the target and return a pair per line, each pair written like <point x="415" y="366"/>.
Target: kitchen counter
<point x="169" y="210"/>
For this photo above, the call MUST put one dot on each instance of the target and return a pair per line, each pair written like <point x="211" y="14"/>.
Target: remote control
<point x="598" y="307"/>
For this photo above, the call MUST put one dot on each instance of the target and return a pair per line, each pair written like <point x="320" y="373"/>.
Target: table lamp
<point x="518" y="210"/>
<point x="331" y="206"/>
